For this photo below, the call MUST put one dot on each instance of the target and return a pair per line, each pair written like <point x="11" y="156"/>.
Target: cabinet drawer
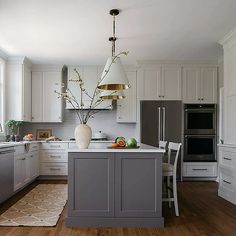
<point x="227" y="180"/>
<point x="53" y="169"/>
<point x="200" y="169"/>
<point x="34" y="147"/>
<point x="53" y="156"/>
<point x="54" y="145"/>
<point x="228" y="157"/>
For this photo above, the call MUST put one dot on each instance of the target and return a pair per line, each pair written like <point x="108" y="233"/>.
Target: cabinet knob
<point x="202" y="99"/>
<point x="199" y="99"/>
<point x="32" y="118"/>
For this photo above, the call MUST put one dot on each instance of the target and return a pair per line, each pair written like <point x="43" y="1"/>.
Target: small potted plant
<point x="11" y="126"/>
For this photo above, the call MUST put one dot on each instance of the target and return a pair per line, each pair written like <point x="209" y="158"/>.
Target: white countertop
<point x="102" y="147"/>
<point x="12" y="144"/>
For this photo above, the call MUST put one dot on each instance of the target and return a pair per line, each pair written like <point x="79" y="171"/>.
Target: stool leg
<point x="168" y="190"/>
<point x="175" y="195"/>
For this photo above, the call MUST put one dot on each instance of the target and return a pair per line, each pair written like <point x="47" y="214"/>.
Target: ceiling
<point x="77" y="31"/>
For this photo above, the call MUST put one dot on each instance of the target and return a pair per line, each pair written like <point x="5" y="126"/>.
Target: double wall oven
<point x="200" y="133"/>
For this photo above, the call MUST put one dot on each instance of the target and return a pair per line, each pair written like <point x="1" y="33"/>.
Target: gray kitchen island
<point x="115" y="187"/>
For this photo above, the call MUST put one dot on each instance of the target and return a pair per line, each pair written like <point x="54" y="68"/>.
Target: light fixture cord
<point x="114" y="36"/>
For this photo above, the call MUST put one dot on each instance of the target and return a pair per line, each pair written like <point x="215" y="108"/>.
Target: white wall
<point x="104" y="121"/>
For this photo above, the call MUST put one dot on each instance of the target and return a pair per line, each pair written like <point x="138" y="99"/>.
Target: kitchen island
<point x="115" y="187"/>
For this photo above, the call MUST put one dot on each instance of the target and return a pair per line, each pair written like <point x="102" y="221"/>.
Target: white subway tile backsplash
<point x="104" y="121"/>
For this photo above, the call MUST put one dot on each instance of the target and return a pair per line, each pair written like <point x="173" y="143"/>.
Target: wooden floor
<point x="202" y="212"/>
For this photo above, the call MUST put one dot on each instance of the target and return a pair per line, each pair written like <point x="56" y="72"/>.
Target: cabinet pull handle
<point x="52" y="156"/>
<point x="227" y="182"/>
<point x="228" y="159"/>
<point x="200" y="169"/>
<point x="23" y="159"/>
<point x="55" y="146"/>
<point x="31" y="156"/>
<point x="55" y="168"/>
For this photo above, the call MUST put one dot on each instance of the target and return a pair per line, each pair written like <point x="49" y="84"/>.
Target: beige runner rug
<point x="42" y="206"/>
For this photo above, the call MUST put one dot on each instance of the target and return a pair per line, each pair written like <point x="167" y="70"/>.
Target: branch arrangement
<point x="84" y="114"/>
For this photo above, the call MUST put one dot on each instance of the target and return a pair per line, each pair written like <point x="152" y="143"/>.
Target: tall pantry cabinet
<point x="227" y="151"/>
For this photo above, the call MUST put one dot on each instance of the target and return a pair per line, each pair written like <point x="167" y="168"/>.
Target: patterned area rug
<point x="42" y="206"/>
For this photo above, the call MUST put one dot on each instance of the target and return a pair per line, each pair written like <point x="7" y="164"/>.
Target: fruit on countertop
<point x="119" y="138"/>
<point x="29" y="136"/>
<point x="120" y="141"/>
<point x="114" y="145"/>
<point x="132" y="143"/>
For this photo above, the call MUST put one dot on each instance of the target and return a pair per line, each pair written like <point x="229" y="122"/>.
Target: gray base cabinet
<point x="115" y="190"/>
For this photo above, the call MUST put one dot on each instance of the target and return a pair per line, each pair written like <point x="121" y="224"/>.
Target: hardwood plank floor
<point x="202" y="212"/>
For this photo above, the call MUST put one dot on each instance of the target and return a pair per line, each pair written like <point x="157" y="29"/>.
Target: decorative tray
<point x="123" y="147"/>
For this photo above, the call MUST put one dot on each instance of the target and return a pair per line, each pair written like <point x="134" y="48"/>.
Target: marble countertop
<point x="12" y="144"/>
<point x="102" y="147"/>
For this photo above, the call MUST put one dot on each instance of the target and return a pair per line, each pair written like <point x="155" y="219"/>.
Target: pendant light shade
<point x="112" y="95"/>
<point x="113" y="76"/>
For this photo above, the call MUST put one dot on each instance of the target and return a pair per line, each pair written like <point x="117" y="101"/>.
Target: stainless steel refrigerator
<point x="162" y="120"/>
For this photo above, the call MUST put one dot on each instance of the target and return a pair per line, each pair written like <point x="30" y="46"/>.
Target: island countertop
<point x="104" y="147"/>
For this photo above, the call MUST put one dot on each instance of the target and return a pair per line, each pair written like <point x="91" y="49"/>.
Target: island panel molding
<point x="115" y="188"/>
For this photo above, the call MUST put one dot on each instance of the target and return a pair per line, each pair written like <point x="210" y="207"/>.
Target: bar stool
<point x="162" y="144"/>
<point x="169" y="170"/>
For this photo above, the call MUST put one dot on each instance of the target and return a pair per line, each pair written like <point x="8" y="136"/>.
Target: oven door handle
<point x="201" y="110"/>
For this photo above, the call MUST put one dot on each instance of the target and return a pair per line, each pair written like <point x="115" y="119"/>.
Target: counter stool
<point x="169" y="170"/>
<point x="162" y="144"/>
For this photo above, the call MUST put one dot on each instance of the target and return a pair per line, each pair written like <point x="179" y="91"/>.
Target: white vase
<point x="83" y="135"/>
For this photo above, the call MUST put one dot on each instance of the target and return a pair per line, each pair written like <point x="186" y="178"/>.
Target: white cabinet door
<point x="26" y="169"/>
<point x="171" y="83"/>
<point x="18" y="91"/>
<point x="52" y="105"/>
<point x="191" y="85"/>
<point x="18" y="179"/>
<point x="209" y="85"/>
<point x="37" y="97"/>
<point x="149" y="84"/>
<point x="26" y="93"/>
<point x="126" y="108"/>
<point x="34" y="164"/>
<point x="200" y="85"/>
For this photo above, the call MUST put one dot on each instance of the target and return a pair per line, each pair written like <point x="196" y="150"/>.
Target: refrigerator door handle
<point x="163" y="123"/>
<point x="159" y="125"/>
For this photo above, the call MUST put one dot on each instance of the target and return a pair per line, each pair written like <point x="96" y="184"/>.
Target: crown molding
<point x="3" y="55"/>
<point x="229" y="39"/>
<point x="158" y="63"/>
<point x="46" y="67"/>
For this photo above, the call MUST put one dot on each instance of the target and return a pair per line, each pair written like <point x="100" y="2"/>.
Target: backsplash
<point x="104" y="121"/>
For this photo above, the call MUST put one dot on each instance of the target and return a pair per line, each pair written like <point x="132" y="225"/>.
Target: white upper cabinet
<point x="149" y="83"/>
<point x="127" y="108"/>
<point x="46" y="106"/>
<point x="160" y="83"/>
<point x="200" y="85"/>
<point x="90" y="76"/>
<point x="18" y="89"/>
<point x="171" y="83"/>
<point x="209" y="85"/>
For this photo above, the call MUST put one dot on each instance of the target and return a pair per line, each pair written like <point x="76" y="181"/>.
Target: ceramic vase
<point x="83" y="135"/>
